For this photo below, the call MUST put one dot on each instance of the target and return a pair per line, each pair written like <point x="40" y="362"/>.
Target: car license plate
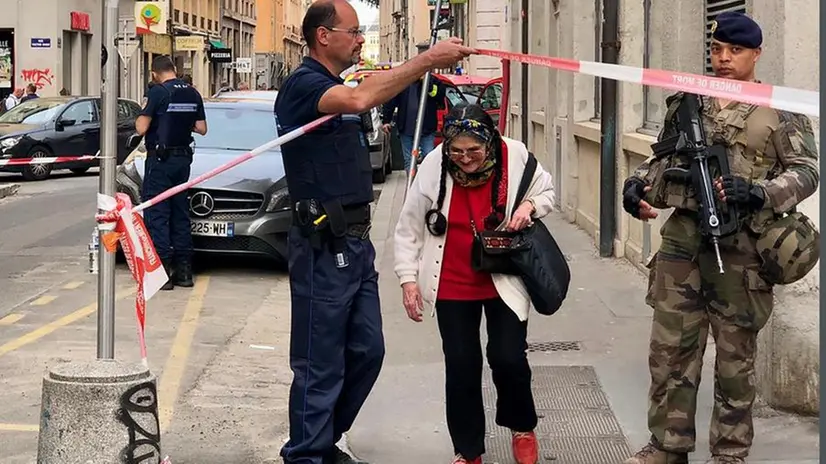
<point x="213" y="228"/>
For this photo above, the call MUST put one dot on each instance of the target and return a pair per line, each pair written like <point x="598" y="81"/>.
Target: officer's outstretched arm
<point x="382" y="87"/>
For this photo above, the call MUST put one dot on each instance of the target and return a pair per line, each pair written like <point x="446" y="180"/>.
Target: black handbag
<point x="531" y="253"/>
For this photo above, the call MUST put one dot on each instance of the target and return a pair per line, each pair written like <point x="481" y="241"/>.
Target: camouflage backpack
<point x="789" y="248"/>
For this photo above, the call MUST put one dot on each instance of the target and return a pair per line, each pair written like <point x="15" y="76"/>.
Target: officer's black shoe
<point x="183" y="274"/>
<point x="340" y="457"/>
<point x="167" y="265"/>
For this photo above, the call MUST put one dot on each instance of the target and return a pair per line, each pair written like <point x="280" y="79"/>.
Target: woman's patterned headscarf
<point x="458" y="127"/>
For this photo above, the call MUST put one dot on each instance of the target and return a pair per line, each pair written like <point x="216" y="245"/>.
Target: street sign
<point x="243" y="65"/>
<point x="41" y="42"/>
<point x="127" y="43"/>
<point x="220" y="55"/>
<point x="189" y="43"/>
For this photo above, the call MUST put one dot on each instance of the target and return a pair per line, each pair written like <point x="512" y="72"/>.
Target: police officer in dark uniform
<point x="337" y="346"/>
<point x="172" y="112"/>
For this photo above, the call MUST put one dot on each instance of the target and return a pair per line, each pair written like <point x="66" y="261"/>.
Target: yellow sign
<point x="190" y="43"/>
<point x="151" y="17"/>
<point x="157" y="44"/>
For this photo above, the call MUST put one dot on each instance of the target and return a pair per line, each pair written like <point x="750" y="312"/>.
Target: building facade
<point x="558" y="113"/>
<point x="238" y="25"/>
<point x="371" y="50"/>
<point x="193" y="35"/>
<point x="59" y="47"/>
<point x="293" y="40"/>
<point x="481" y="23"/>
<point x="402" y="25"/>
<point x="197" y="29"/>
<point x="486" y="28"/>
<point x="269" y="45"/>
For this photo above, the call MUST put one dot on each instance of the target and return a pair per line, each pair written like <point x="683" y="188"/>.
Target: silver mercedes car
<point x="244" y="210"/>
<point x="380" y="149"/>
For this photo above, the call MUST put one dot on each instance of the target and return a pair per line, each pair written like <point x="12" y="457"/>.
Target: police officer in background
<point x="172" y="112"/>
<point x="337" y="346"/>
<point x="773" y="163"/>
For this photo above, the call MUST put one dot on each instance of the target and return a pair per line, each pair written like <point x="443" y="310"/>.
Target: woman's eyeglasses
<point x="472" y="153"/>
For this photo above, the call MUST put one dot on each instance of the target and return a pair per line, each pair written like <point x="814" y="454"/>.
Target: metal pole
<point x="525" y="73"/>
<point x="108" y="165"/>
<point x="417" y="135"/>
<point x="608" y="132"/>
<point x="504" y="107"/>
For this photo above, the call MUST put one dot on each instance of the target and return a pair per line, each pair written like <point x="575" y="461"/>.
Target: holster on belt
<point x="304" y="215"/>
<point x="337" y="223"/>
<point x="164" y="153"/>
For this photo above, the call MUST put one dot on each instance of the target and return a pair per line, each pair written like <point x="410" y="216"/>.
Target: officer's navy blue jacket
<point x="332" y="161"/>
<point x="188" y="102"/>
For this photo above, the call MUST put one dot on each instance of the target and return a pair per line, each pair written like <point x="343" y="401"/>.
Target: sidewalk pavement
<point x="7" y="190"/>
<point x="590" y="371"/>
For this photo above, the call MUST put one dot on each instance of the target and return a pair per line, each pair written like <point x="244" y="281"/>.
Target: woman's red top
<point x="457" y="280"/>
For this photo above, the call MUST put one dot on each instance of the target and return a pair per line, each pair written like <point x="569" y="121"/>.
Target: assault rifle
<point x="707" y="163"/>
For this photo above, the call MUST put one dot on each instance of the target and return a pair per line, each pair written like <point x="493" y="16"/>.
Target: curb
<point x="7" y="190"/>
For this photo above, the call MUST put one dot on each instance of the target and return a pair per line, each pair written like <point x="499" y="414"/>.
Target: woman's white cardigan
<point x="419" y="254"/>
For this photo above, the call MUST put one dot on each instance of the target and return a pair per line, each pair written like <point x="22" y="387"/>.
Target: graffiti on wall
<point x="39" y="77"/>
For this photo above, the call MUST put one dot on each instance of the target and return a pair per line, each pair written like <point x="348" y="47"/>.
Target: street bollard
<point x="101" y="412"/>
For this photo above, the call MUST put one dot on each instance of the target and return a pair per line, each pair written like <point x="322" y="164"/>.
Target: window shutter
<point x="712" y="9"/>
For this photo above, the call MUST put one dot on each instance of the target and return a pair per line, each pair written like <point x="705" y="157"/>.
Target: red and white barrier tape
<point x="124" y="224"/>
<point x="774" y="96"/>
<point x="144" y="262"/>
<point x="45" y="160"/>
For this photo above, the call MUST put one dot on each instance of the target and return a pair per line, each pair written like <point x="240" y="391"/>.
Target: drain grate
<point x="553" y="346"/>
<point x="576" y="423"/>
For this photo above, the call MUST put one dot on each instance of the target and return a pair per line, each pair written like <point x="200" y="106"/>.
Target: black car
<point x="60" y="127"/>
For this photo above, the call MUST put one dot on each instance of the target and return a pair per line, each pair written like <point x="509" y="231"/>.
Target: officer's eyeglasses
<point x="354" y="32"/>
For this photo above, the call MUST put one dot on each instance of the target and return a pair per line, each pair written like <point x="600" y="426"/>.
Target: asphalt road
<point x="219" y="349"/>
<point x="44" y="231"/>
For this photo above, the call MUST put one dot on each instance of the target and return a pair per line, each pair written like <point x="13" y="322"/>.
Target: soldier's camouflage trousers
<point x="688" y="295"/>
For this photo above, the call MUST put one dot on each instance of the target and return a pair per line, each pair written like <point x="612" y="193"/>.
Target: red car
<point x="475" y="90"/>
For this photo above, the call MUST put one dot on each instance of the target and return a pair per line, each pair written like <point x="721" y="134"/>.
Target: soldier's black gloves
<point x="743" y="193"/>
<point x="632" y="193"/>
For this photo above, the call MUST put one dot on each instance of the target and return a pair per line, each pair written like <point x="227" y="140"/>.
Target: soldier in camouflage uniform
<point x="774" y="166"/>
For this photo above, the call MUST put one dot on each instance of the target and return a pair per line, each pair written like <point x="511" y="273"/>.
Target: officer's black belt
<point x="358" y="215"/>
<point x="179" y="151"/>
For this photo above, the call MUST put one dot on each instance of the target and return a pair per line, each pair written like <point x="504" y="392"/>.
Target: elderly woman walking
<point x="466" y="185"/>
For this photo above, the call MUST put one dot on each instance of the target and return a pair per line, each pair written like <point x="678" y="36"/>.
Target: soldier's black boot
<point x="183" y="273"/>
<point x="167" y="265"/>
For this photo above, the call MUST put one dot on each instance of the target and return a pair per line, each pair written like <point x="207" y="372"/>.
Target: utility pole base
<point x="103" y="411"/>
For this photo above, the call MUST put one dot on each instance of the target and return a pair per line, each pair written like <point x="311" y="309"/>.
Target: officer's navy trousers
<point x="336" y="344"/>
<point x="168" y="221"/>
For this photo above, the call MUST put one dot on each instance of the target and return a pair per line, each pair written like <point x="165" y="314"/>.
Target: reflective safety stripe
<point x="182" y="108"/>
